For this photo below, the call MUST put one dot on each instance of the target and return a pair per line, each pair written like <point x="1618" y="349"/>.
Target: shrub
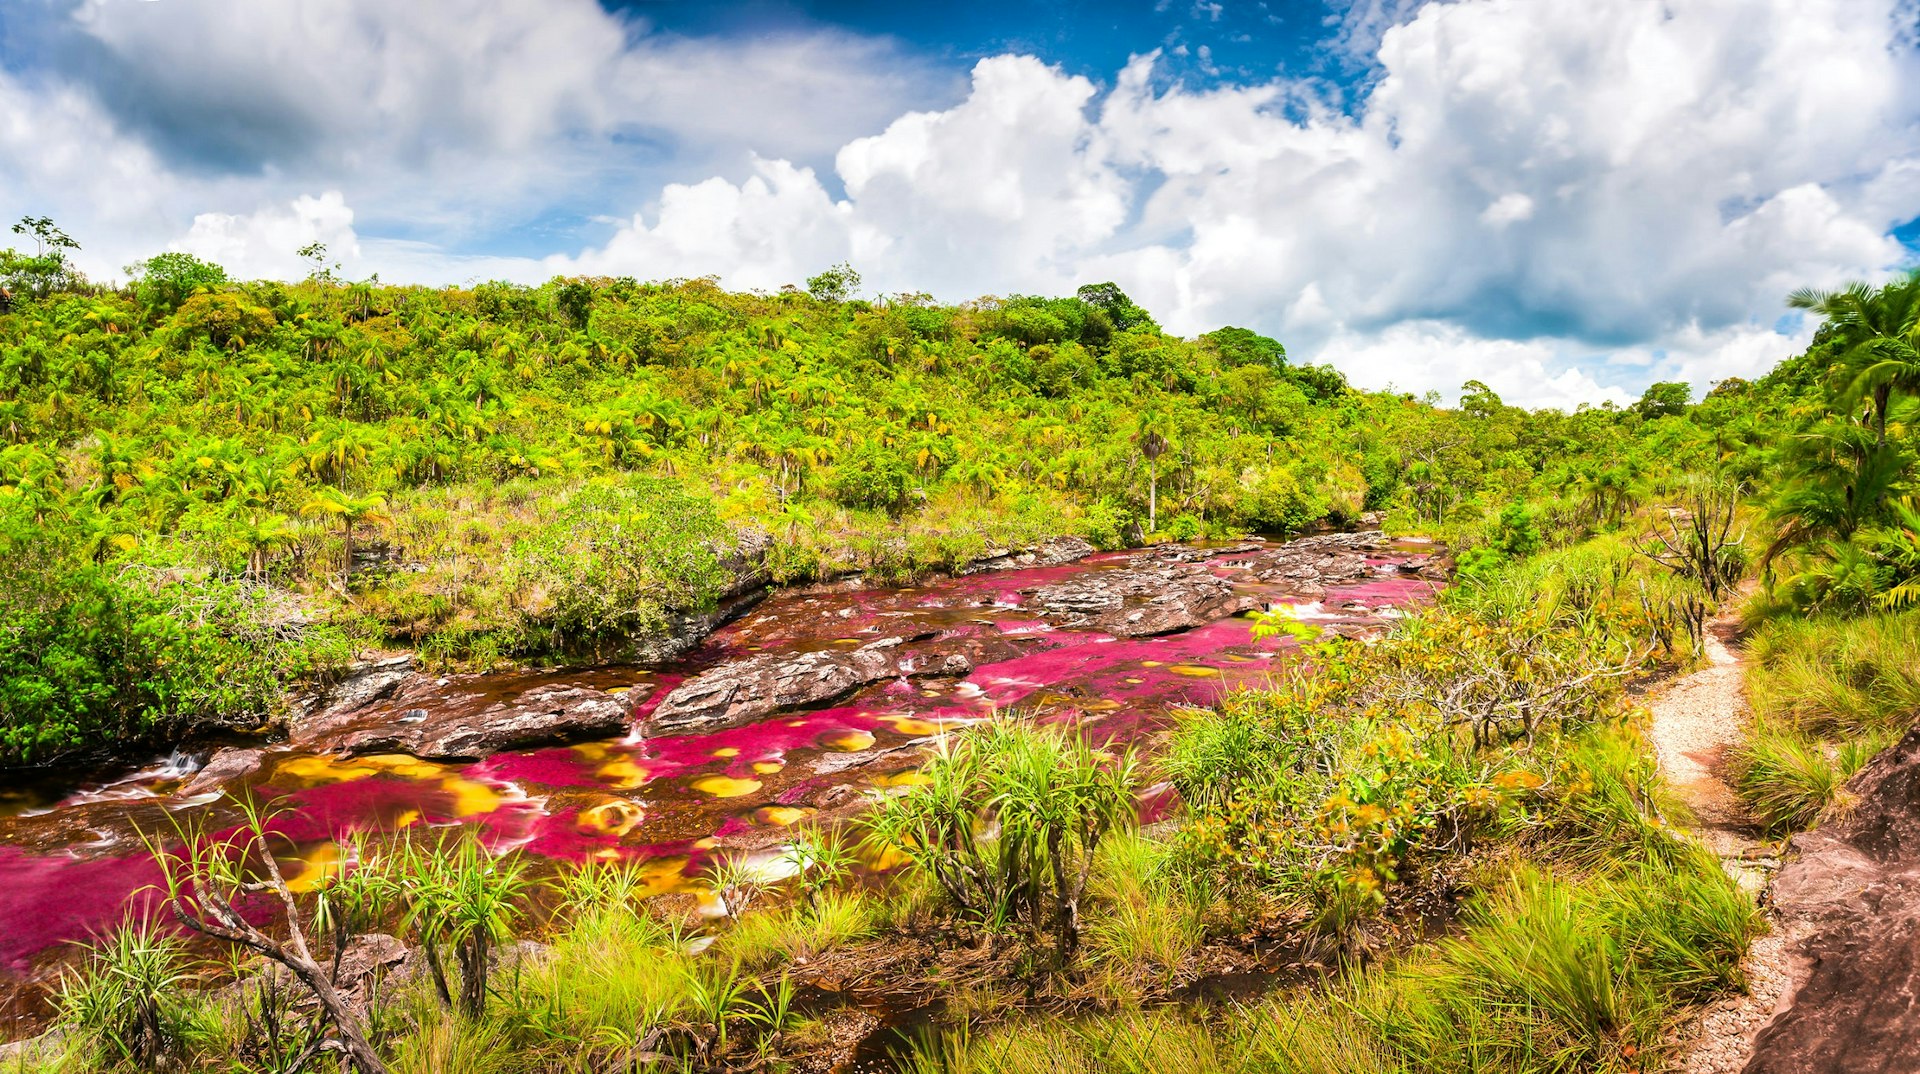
<point x="618" y="556"/>
<point x="1008" y="825"/>
<point x="127" y="1001"/>
<point x="873" y="477"/>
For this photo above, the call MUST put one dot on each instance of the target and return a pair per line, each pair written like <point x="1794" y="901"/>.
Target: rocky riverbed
<point x="794" y="712"/>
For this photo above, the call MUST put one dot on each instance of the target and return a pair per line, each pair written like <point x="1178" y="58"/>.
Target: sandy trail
<point x="1697" y="721"/>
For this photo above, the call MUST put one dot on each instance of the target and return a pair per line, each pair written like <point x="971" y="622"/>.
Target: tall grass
<point x="1550" y="973"/>
<point x="1151" y="921"/>
<point x="1832" y="677"/>
<point x="1578" y="957"/>
<point x="1828" y="693"/>
<point x="126" y="1004"/>
<point x="603" y="984"/>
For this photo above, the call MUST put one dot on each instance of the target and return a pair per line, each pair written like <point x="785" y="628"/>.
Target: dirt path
<point x="1697" y="721"/>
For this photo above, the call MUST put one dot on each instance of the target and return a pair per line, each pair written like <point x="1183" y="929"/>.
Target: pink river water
<point x="72" y="862"/>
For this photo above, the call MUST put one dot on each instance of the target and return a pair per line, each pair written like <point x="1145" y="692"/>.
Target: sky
<point x="1568" y="201"/>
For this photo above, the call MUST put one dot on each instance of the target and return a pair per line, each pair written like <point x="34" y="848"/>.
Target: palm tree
<point x="1152" y="442"/>
<point x="259" y="533"/>
<point x="351" y="511"/>
<point x="1876" y="331"/>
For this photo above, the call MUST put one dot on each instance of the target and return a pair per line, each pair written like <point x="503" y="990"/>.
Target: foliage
<point x="616" y="557"/>
<point x="163" y="283"/>
<point x="127" y="1001"/>
<point x="1009" y="823"/>
<point x="1327" y="786"/>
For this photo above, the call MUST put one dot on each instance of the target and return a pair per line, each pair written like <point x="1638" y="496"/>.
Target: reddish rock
<point x="471" y="718"/>
<point x="223" y="768"/>
<point x="740" y="692"/>
<point x="1849" y="902"/>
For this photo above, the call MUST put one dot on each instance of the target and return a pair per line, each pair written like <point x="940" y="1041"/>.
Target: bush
<point x="92" y="657"/>
<point x="1323" y="788"/>
<point x="1008" y="824"/>
<point x="873" y="477"/>
<point x="618" y="556"/>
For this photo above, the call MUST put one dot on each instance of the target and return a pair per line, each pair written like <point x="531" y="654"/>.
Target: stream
<point x="73" y="862"/>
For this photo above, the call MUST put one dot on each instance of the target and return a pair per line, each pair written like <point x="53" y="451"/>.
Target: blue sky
<point x="1567" y="201"/>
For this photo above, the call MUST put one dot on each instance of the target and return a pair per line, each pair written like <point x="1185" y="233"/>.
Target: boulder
<point x="1050" y="553"/>
<point x="1154" y="593"/>
<point x="1848" y="902"/>
<point x="224" y="767"/>
<point x="743" y="691"/>
<point x="362" y="684"/>
<point x="467" y="727"/>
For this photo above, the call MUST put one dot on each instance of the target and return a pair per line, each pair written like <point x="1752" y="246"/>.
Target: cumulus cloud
<point x="1581" y="189"/>
<point x="1568" y="201"/>
<point x="262" y="244"/>
<point x="449" y="123"/>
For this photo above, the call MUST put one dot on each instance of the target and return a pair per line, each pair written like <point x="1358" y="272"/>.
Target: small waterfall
<point x="177" y="765"/>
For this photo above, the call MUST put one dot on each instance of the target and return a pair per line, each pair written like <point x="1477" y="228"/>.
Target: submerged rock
<point x="1849" y="902"/>
<point x="737" y="693"/>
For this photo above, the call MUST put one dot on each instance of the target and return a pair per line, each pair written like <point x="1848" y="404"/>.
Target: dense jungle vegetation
<point x="209" y="487"/>
<point x="1459" y="829"/>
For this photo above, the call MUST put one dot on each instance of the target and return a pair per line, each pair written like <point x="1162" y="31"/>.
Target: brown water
<point x="72" y="860"/>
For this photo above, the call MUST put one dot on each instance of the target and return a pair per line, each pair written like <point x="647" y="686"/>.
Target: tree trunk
<point x="1882" y="398"/>
<point x="346" y="572"/>
<point x="1153" y="495"/>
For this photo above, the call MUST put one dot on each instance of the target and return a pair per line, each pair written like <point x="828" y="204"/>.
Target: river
<point x="73" y="861"/>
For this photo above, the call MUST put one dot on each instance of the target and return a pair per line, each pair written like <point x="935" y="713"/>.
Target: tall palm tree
<point x="1150" y="437"/>
<point x="351" y="510"/>
<point x="1876" y="331"/>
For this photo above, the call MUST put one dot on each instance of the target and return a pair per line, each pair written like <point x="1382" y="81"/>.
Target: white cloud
<point x="262" y="244"/>
<point x="1567" y="201"/>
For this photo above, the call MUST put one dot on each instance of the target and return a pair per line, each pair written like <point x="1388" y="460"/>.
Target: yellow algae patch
<point x="850" y="742"/>
<point x="889" y="857"/>
<point x="615" y="817"/>
<point x="1136" y="682"/>
<point x="1103" y="705"/>
<point x="315" y="867"/>
<point x="318" y="770"/>
<point x="905" y="779"/>
<point x="470" y="797"/>
<point x="593" y="751"/>
<point x="768" y="768"/>
<point x="907" y="725"/>
<point x="622" y="774"/>
<point x="725" y="786"/>
<point x="846" y="641"/>
<point x="618" y="690"/>
<point x="796" y="723"/>
<point x="706" y="844"/>
<point x="1194" y="671"/>
<point x="406" y="818"/>
<point x="404" y="765"/>
<point x="1151" y="664"/>
<point x="783" y="816"/>
<point x="727" y="751"/>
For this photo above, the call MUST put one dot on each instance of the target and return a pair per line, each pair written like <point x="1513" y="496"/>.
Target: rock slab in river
<point x="738" y="693"/>
<point x="1849" y="901"/>
<point x="417" y="716"/>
